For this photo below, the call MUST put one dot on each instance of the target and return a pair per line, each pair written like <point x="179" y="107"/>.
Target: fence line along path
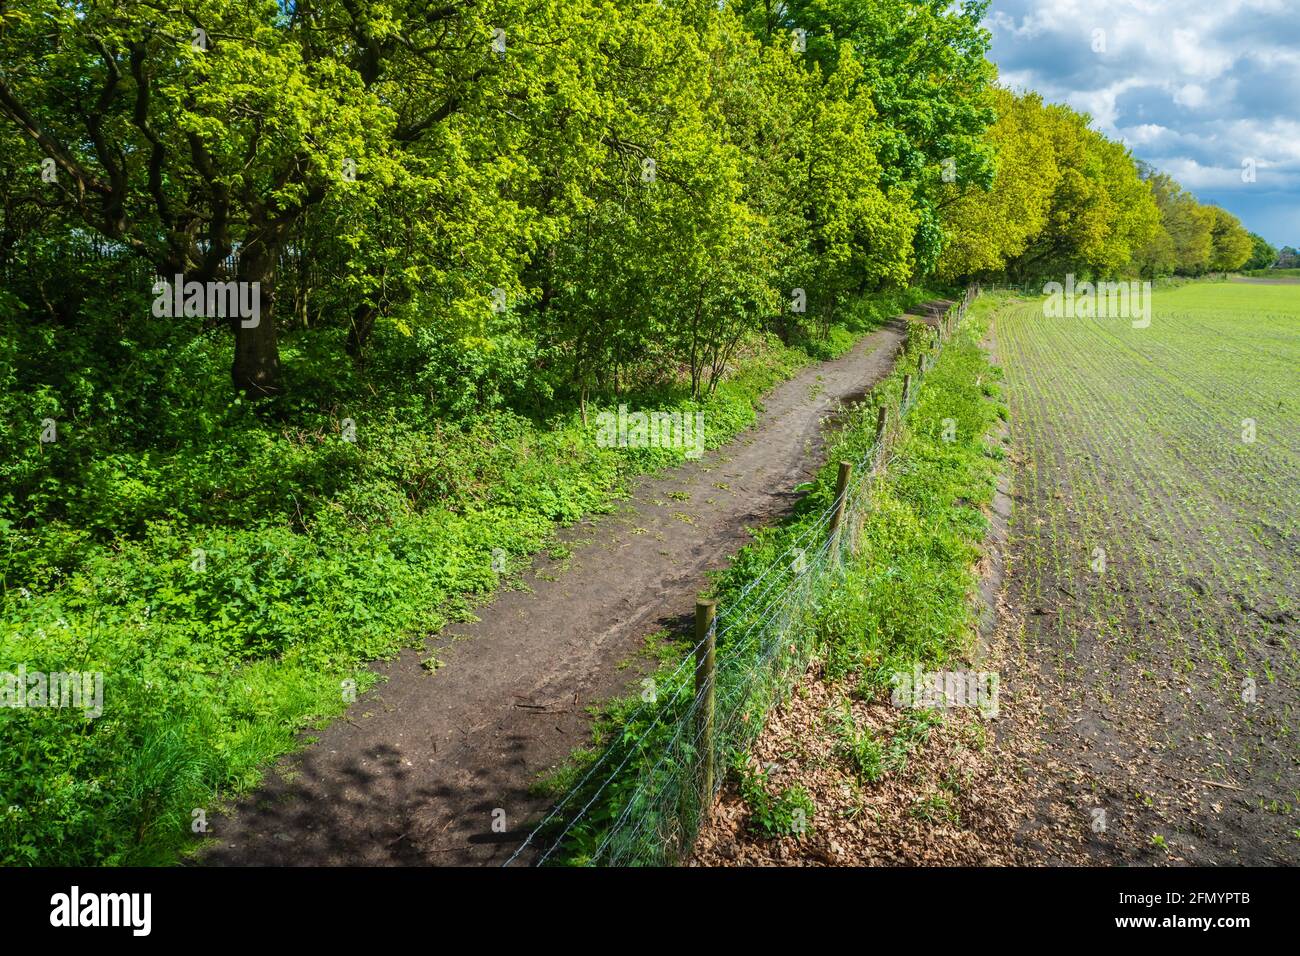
<point x="663" y="781"/>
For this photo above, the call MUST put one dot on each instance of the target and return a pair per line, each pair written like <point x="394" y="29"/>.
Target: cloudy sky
<point x="1197" y="88"/>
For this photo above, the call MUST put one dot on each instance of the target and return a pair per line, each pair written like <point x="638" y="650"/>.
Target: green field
<point x="1156" y="540"/>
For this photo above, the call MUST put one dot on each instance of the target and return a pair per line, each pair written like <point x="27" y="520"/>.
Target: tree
<point x="1102" y="214"/>
<point x="986" y="229"/>
<point x="922" y="66"/>
<point x="858" y="230"/>
<point x="1158" y="256"/>
<point x="1231" y="243"/>
<point x="1262" y="253"/>
<point x="191" y="134"/>
<point x="1188" y="223"/>
<point x="188" y="134"/>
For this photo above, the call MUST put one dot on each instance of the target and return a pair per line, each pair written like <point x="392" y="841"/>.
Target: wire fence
<point x="643" y="799"/>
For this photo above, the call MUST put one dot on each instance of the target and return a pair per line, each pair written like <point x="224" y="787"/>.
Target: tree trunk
<point x="256" y="368"/>
<point x="363" y="323"/>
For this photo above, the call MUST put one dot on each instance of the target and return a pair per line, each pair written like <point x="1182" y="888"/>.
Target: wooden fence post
<point x="841" y="502"/>
<point x="705" y="614"/>
<point x="907" y="388"/>
<point x="882" y="421"/>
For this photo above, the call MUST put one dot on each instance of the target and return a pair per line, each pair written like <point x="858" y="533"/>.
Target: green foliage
<point x="1101" y="214"/>
<point x="1231" y="244"/>
<point x="788" y="812"/>
<point x="986" y="230"/>
<point x="1185" y="240"/>
<point x="920" y="69"/>
<point x="1064" y="198"/>
<point x="870" y="757"/>
<point x="860" y="748"/>
<point x="1262" y="254"/>
<point x="228" y="569"/>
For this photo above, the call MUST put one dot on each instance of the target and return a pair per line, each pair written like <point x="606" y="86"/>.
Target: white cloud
<point x="1146" y="133"/>
<point x="1192" y="86"/>
<point x="1191" y="95"/>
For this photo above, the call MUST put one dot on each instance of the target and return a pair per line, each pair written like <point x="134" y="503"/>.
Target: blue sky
<point x="1202" y="89"/>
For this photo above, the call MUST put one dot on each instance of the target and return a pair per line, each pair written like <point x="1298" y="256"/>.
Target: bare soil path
<point x="423" y="766"/>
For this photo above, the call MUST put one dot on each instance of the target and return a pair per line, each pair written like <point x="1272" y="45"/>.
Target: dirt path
<point x="423" y="766"/>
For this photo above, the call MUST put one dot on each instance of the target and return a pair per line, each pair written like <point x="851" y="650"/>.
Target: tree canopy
<point x="570" y="188"/>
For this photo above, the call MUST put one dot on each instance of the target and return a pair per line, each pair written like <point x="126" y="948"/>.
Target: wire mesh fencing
<point x="642" y="800"/>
